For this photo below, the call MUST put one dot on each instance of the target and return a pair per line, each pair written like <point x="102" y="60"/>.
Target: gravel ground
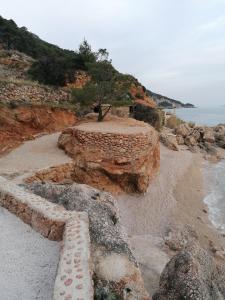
<point x="28" y="262"/>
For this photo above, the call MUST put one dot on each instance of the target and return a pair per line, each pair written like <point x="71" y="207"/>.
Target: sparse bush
<point x="173" y="121"/>
<point x="85" y="96"/>
<point x="191" y="124"/>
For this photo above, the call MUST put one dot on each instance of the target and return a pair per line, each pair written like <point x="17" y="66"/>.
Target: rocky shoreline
<point x="210" y="141"/>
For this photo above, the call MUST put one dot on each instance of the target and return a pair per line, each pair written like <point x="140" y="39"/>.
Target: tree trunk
<point x="100" y="116"/>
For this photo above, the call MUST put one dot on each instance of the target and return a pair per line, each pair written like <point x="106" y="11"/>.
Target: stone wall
<point x="114" y="155"/>
<point x="74" y="275"/>
<point x="29" y="92"/>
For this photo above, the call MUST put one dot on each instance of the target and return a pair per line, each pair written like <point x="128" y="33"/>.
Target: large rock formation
<point x="115" y="155"/>
<point x="116" y="272"/>
<point x="192" y="274"/>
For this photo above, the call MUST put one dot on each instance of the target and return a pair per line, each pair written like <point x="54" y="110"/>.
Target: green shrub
<point x="85" y="96"/>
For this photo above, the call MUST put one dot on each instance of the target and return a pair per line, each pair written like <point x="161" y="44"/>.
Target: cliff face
<point x="166" y="102"/>
<point x="24" y="122"/>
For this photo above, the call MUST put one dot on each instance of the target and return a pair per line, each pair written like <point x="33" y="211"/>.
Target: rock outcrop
<point x="207" y="140"/>
<point x="25" y="122"/>
<point x="169" y="140"/>
<point x="115" y="155"/>
<point x="192" y="274"/>
<point x="116" y="272"/>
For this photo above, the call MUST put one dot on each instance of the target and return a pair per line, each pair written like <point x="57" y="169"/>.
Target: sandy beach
<point x="173" y="201"/>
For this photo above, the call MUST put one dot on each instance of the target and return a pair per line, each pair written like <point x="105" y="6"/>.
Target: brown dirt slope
<point x="25" y="122"/>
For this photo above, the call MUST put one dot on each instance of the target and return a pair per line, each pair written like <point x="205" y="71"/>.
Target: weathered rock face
<point x="116" y="272"/>
<point x="169" y="140"/>
<point x="24" y="122"/>
<point x="81" y="78"/>
<point x="14" y="64"/>
<point x="115" y="155"/>
<point x="183" y="130"/>
<point x="192" y="274"/>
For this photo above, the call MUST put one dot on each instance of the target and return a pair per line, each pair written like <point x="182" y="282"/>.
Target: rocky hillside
<point x="166" y="102"/>
<point x="85" y="72"/>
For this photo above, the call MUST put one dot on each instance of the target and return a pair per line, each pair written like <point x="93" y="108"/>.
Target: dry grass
<point x="173" y="121"/>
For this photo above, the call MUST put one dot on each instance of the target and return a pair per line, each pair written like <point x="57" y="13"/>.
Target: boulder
<point x="192" y="274"/>
<point x="180" y="140"/>
<point x="170" y="141"/>
<point x="190" y="140"/>
<point x="183" y="129"/>
<point x="219" y="134"/>
<point x="209" y="135"/>
<point x="115" y="155"/>
<point x="196" y="134"/>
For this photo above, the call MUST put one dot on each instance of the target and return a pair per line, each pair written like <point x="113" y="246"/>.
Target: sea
<point x="214" y="173"/>
<point x="209" y="116"/>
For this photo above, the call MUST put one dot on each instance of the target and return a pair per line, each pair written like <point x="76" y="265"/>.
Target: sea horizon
<point x="206" y="116"/>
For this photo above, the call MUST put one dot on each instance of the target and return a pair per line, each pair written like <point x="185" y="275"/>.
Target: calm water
<point x="214" y="173"/>
<point x="203" y="116"/>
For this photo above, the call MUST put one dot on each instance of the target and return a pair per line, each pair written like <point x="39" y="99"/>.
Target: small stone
<point x="79" y="286"/>
<point x="68" y="282"/>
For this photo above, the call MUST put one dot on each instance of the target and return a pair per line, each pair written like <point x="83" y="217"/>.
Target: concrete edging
<point x="74" y="274"/>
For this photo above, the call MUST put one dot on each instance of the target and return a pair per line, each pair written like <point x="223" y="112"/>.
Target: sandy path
<point x="28" y="262"/>
<point x="145" y="217"/>
<point x="147" y="214"/>
<point x="31" y="157"/>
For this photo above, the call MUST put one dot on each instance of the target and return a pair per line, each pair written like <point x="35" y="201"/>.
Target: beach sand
<point x="174" y="199"/>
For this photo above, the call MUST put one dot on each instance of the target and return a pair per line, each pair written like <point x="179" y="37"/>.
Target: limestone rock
<point x="170" y="141"/>
<point x="209" y="135"/>
<point x="183" y="130"/>
<point x="115" y="155"/>
<point x="192" y="274"/>
<point x="190" y="140"/>
<point x="180" y="140"/>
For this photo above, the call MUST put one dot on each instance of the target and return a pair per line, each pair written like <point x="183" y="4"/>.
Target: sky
<point x="174" y="47"/>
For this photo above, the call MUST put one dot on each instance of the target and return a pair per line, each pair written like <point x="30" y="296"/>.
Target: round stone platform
<point x="115" y="155"/>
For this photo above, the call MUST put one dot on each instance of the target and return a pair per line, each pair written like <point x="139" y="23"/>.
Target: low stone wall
<point x="74" y="276"/>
